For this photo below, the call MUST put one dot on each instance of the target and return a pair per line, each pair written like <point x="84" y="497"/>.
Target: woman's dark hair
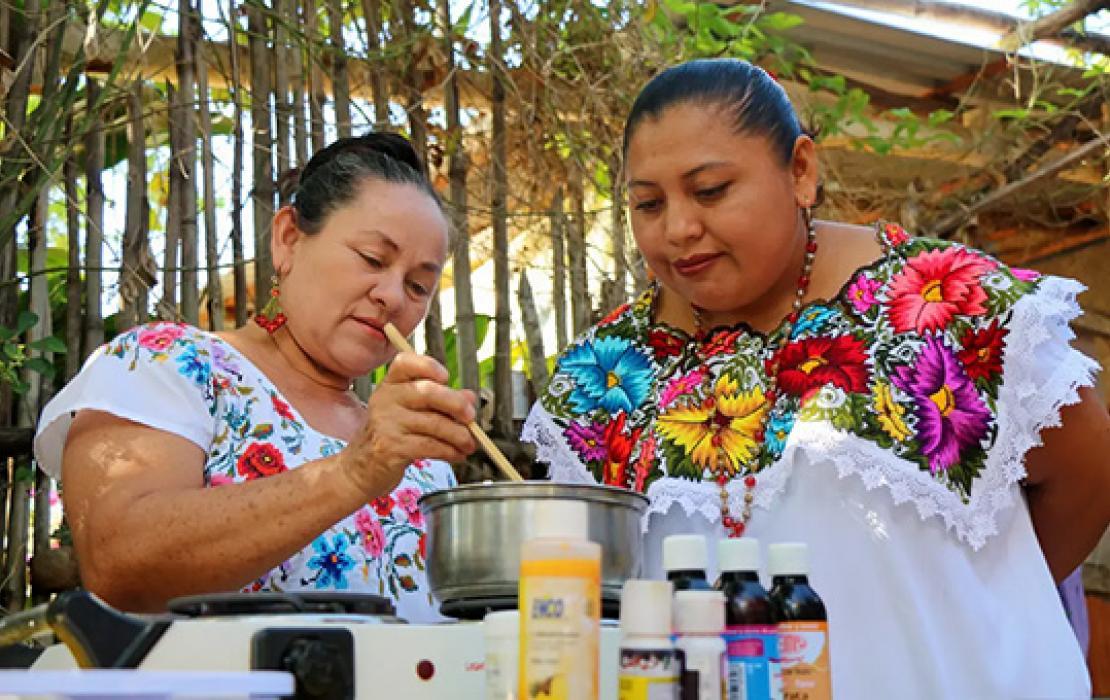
<point x="333" y="174"/>
<point x="756" y="103"/>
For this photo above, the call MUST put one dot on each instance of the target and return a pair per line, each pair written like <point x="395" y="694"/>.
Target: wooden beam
<point x="1052" y="24"/>
<point x="954" y="221"/>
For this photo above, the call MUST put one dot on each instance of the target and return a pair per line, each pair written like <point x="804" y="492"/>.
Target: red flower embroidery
<point x="259" y="460"/>
<point x="808" y="365"/>
<point x="422" y="545"/>
<point x="982" y="353"/>
<point x="935" y="286"/>
<point x="664" y="344"/>
<point x="383" y="506"/>
<point x="619" y="448"/>
<point x="614" y="314"/>
<point x="281" y="408"/>
<point x="720" y="343"/>
<point x="895" y="234"/>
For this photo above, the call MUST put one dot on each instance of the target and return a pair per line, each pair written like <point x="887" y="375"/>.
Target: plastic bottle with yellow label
<point x="560" y="605"/>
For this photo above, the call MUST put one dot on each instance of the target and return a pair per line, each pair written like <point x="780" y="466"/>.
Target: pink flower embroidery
<point x="1023" y="274"/>
<point x="373" y="537"/>
<point x="407" y="499"/>
<point x="682" y="386"/>
<point x="935" y="286"/>
<point x="220" y="480"/>
<point x="862" y="293"/>
<point x="160" y="337"/>
<point x="644" y="464"/>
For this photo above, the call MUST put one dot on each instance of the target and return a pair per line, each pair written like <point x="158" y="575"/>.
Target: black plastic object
<point x="477" y="608"/>
<point x="268" y="603"/>
<point x="321" y="660"/>
<point x="99" y="636"/>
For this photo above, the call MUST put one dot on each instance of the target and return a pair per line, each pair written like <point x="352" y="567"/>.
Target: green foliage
<point x="451" y="344"/>
<point x="14" y="353"/>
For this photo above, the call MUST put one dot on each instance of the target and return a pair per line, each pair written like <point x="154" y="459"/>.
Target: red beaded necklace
<point x="735" y="525"/>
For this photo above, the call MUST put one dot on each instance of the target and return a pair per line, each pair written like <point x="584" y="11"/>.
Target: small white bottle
<point x="501" y="630"/>
<point x="700" y="624"/>
<point x="560" y="605"/>
<point x="650" y="666"/>
<point x="685" y="559"/>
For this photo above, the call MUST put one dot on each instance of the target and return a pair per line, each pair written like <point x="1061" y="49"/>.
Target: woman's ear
<point x="805" y="171"/>
<point x="285" y="236"/>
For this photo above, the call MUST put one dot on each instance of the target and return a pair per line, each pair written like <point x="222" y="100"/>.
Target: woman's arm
<point x="146" y="530"/>
<point x="1068" y="484"/>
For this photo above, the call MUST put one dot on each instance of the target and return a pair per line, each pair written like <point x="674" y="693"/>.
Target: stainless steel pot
<point x="475" y="533"/>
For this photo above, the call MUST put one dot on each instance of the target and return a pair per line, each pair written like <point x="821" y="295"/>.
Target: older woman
<point x="910" y="408"/>
<point x="197" y="462"/>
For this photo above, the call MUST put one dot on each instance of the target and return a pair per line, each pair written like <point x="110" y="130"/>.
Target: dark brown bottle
<point x="803" y="625"/>
<point x="751" y="635"/>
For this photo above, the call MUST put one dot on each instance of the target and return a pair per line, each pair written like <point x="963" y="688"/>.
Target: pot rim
<point x="510" y="490"/>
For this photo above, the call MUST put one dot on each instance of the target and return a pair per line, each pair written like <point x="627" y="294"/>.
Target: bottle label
<point x="804" y="651"/>
<point x="559" y="612"/>
<point x="752" y="652"/>
<point x="650" y="674"/>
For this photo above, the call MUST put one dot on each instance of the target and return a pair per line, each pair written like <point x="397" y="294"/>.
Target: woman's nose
<point x="681" y="223"/>
<point x="388" y="292"/>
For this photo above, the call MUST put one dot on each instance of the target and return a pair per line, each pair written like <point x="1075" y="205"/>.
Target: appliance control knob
<point x="314" y="665"/>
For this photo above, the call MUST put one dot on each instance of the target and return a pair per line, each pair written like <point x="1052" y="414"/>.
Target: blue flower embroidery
<point x="192" y="366"/>
<point x="811" y="320"/>
<point x="607" y="372"/>
<point x="332" y="562"/>
<point x="778" y="430"/>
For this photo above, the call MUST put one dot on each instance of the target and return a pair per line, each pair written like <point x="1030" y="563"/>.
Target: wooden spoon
<point x="495" y="454"/>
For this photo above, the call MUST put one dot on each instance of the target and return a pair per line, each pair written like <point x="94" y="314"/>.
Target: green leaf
<point x="49" y="344"/>
<point x="780" y="21"/>
<point x="26" y="320"/>
<point x="1011" y="114"/>
<point x="40" y="365"/>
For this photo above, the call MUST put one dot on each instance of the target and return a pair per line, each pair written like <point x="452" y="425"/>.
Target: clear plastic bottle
<point x="751" y="636"/>
<point x="651" y="666"/>
<point x="560" y="605"/>
<point x="803" y="624"/>
<point x="685" y="559"/>
<point x="700" y="622"/>
<point x="501" y="631"/>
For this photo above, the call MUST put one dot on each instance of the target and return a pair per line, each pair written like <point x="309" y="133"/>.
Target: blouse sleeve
<point x="159" y="375"/>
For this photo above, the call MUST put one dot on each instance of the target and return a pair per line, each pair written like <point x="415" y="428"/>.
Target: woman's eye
<point x="419" y="289"/>
<point x="371" y="261"/>
<point x="711" y="192"/>
<point x="647" y="205"/>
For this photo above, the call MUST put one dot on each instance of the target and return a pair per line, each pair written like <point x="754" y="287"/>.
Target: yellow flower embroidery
<point x="890" y="413"/>
<point x="720" y="432"/>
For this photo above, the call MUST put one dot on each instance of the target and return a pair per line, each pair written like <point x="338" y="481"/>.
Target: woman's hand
<point x="411" y="415"/>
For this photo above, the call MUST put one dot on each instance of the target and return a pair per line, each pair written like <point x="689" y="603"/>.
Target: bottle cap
<point x="738" y="554"/>
<point x="788" y="559"/>
<point x="561" y="519"/>
<point x="502" y="624"/>
<point x="699" y="612"/>
<point x="646" y="608"/>
<point x="684" y="553"/>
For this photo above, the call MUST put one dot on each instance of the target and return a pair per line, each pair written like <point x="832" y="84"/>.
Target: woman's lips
<point x="695" y="263"/>
<point x="373" y="328"/>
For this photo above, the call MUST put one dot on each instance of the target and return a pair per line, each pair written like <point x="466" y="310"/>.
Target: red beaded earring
<point x="271" y="318"/>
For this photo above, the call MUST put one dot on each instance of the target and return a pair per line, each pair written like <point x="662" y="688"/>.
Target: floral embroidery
<point x="908" y="356"/>
<point x="378" y="549"/>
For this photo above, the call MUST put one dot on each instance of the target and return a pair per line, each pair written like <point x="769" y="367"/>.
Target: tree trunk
<point x="137" y="273"/>
<point x="576" y="253"/>
<point x="74" y="283"/>
<point x="318" y="95"/>
<point x="214" y="292"/>
<point x="94" y="221"/>
<point x="186" y="160"/>
<point x="465" y="325"/>
<point x="418" y="129"/>
<point x="239" y="269"/>
<point x="171" y="257"/>
<point x="262" y="197"/>
<point x="22" y="31"/>
<point x="617" y="237"/>
<point x="503" y="387"/>
<point x="533" y="334"/>
<point x="340" y="82"/>
<point x="372" y="13"/>
<point x="559" y="268"/>
<point x="281" y="50"/>
<point x="300" y="79"/>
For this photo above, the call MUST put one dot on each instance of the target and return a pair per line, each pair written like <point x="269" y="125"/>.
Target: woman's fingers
<point x="407" y="367"/>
